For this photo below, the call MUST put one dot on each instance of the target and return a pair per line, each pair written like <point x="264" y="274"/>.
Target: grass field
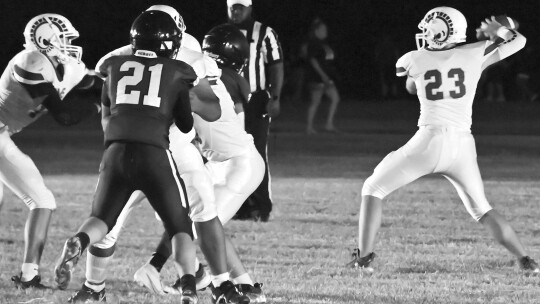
<point x="429" y="249"/>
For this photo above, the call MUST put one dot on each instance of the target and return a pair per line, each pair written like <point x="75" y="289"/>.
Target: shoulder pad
<point x="191" y="43"/>
<point x="125" y="50"/>
<point x="404" y="64"/>
<point x="194" y="59"/>
<point x="212" y="69"/>
<point x="32" y="67"/>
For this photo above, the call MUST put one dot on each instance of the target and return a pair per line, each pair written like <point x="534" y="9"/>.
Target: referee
<point x="265" y="76"/>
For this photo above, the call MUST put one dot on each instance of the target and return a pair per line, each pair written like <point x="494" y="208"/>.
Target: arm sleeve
<point x="32" y="68"/>
<point x="75" y="106"/>
<point x="272" y="48"/>
<point x="403" y="65"/>
<point x="182" y="112"/>
<point x="510" y="42"/>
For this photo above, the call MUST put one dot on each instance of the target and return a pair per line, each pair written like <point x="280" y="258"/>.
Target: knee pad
<point x="372" y="189"/>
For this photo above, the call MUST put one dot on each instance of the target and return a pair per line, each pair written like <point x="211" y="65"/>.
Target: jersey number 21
<point x="133" y="97"/>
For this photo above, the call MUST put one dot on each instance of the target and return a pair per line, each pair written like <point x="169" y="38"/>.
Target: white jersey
<point x="224" y="138"/>
<point x="446" y="80"/>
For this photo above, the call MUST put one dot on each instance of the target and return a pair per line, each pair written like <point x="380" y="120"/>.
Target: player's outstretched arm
<point x="506" y="42"/>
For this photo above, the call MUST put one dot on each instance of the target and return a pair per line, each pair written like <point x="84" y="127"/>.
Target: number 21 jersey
<point x="145" y="93"/>
<point x="446" y="82"/>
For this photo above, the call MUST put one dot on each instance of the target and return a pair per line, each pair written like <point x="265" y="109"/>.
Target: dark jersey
<point x="237" y="86"/>
<point x="145" y="95"/>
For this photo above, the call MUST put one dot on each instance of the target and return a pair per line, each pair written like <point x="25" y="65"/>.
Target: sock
<point x="97" y="262"/>
<point x="197" y="264"/>
<point x="217" y="280"/>
<point x="158" y="260"/>
<point x="243" y="279"/>
<point x="84" y="238"/>
<point x="29" y="271"/>
<point x="97" y="287"/>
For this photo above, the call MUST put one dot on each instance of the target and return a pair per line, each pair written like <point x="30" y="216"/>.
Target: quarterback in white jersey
<point x="40" y="79"/>
<point x="444" y="74"/>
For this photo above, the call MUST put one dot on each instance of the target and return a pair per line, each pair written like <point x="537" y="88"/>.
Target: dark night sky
<point x="355" y="25"/>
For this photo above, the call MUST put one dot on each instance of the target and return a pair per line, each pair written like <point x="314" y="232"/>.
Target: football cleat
<point x="254" y="293"/>
<point x="148" y="276"/>
<point x="68" y="260"/>
<point x="186" y="287"/>
<point x="35" y="282"/>
<point x="88" y="295"/>
<point x="361" y="262"/>
<point x="227" y="293"/>
<point x="526" y="263"/>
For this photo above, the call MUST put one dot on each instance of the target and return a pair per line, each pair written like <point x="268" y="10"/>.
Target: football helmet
<point x="440" y="27"/>
<point x="51" y="34"/>
<point x="172" y="12"/>
<point x="157" y="32"/>
<point x="227" y="45"/>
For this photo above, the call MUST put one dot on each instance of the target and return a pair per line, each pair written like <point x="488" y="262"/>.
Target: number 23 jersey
<point x="145" y="94"/>
<point x="446" y="82"/>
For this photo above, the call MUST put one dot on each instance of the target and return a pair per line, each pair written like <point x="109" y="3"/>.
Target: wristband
<point x="503" y="32"/>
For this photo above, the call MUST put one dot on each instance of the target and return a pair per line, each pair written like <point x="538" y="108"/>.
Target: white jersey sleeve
<point x="125" y="50"/>
<point x="32" y="67"/>
<point x="403" y="65"/>
<point x="189" y="42"/>
<point x="510" y="42"/>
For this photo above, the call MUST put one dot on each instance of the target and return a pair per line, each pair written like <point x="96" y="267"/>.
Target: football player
<point x="142" y="95"/>
<point x="235" y="166"/>
<point x="213" y="244"/>
<point x="444" y="73"/>
<point x="43" y="78"/>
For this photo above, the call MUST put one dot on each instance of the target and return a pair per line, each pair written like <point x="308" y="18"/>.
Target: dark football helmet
<point x="157" y="32"/>
<point x="228" y="46"/>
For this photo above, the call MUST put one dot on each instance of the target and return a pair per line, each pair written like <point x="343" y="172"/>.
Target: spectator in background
<point x="320" y="76"/>
<point x="494" y="79"/>
<point x="265" y="76"/>
<point x="386" y="54"/>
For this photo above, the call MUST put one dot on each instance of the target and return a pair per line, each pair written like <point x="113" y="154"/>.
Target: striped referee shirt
<point x="264" y="50"/>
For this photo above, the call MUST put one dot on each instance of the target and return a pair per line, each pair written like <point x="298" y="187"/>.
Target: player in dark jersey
<point x="143" y="95"/>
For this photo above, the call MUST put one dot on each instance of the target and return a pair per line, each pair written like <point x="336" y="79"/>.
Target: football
<point x="504" y="20"/>
<point x="509" y="22"/>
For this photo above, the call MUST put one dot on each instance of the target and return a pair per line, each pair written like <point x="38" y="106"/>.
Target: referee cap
<point x="242" y="2"/>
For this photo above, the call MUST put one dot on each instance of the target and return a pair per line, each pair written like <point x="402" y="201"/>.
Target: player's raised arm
<point x="505" y="41"/>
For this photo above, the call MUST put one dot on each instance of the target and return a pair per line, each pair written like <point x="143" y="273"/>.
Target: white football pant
<point x="19" y="173"/>
<point x="433" y="149"/>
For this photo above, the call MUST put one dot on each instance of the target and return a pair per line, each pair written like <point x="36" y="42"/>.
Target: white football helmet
<point x="51" y="34"/>
<point x="172" y="12"/>
<point x="441" y="26"/>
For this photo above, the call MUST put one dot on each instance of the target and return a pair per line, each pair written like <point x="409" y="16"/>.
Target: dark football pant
<point x="127" y="167"/>
<point x="258" y="125"/>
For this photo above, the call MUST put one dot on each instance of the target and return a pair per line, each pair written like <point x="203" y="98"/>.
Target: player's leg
<point x="112" y="193"/>
<point x="316" y="91"/>
<point x="466" y="178"/>
<point x="261" y="198"/>
<point x="415" y="159"/>
<point x="333" y="94"/>
<point x="158" y="178"/>
<point x="234" y="181"/>
<point x="100" y="254"/>
<point x="19" y="173"/>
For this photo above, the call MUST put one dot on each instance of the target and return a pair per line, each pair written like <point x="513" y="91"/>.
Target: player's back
<point x="145" y="94"/>
<point x="446" y="82"/>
